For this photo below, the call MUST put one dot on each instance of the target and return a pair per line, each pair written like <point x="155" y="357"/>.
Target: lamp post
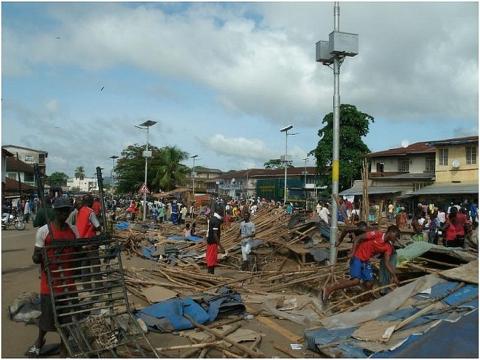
<point x="113" y="157"/>
<point x="305" y="181"/>
<point x="334" y="51"/>
<point x="193" y="177"/>
<point x="146" y="154"/>
<point x="285" y="130"/>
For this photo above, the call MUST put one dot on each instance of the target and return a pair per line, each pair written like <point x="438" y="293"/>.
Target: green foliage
<point x="353" y="126"/>
<point x="164" y="169"/>
<point x="57" y="179"/>
<point x="276" y="164"/>
<point x="80" y="172"/>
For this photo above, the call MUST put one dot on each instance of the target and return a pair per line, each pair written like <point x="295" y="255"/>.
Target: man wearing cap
<point x="57" y="229"/>
<point x="365" y="247"/>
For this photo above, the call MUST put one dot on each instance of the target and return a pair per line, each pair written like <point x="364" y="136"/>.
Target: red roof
<point x="416" y="148"/>
<point x="11" y="185"/>
<point x="15" y="165"/>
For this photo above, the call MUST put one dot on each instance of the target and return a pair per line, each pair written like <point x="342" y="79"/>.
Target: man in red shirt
<point x="88" y="225"/>
<point x="57" y="229"/>
<point x="365" y="247"/>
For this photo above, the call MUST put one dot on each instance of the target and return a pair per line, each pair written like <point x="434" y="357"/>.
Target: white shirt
<point x="42" y="234"/>
<point x="324" y="214"/>
<point x="441" y="216"/>
<point x="318" y="208"/>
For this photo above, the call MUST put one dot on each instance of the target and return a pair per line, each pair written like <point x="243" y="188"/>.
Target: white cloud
<point x="252" y="149"/>
<point x="407" y="67"/>
<point x="52" y="106"/>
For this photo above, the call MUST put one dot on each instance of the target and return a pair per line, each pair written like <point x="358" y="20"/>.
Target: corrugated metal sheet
<point x="357" y="189"/>
<point x="438" y="189"/>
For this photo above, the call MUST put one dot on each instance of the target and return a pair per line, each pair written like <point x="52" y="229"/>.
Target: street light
<point x="305" y="182"/>
<point x="334" y="51"/>
<point x="113" y="157"/>
<point x="146" y="154"/>
<point x="285" y="130"/>
<point x="193" y="177"/>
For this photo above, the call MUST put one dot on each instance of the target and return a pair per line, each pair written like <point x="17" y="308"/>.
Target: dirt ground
<point x="19" y="274"/>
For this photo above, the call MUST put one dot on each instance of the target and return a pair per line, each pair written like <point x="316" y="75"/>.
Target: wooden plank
<point x="287" y="334"/>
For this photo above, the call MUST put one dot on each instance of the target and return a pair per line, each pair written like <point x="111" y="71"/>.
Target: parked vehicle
<point x="9" y="220"/>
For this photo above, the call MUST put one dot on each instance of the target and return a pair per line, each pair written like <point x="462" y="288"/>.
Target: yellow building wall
<point x="465" y="173"/>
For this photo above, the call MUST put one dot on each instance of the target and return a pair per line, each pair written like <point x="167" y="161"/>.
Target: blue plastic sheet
<point x="148" y="251"/>
<point x="122" y="225"/>
<point x="168" y="315"/>
<point x="189" y="238"/>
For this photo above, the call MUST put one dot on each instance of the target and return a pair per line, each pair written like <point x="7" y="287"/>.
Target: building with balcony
<point x="202" y="177"/>
<point x="29" y="156"/>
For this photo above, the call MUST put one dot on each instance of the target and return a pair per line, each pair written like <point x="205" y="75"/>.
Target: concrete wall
<point x="416" y="163"/>
<point x="87" y="184"/>
<point x="465" y="173"/>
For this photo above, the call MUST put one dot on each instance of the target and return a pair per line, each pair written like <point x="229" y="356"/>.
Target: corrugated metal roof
<point x="447" y="188"/>
<point x="357" y="189"/>
<point x="416" y="148"/>
<point x="455" y="141"/>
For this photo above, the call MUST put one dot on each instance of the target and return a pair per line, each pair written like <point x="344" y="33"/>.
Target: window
<point x="443" y="157"/>
<point x="430" y="164"/>
<point x="28" y="177"/>
<point x="41" y="158"/>
<point x="471" y="154"/>
<point x="403" y="165"/>
<point x="28" y="158"/>
<point x="380" y="167"/>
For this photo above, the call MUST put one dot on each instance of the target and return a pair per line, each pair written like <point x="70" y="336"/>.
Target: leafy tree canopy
<point x="276" y="164"/>
<point x="164" y="168"/>
<point x="57" y="179"/>
<point x="353" y="126"/>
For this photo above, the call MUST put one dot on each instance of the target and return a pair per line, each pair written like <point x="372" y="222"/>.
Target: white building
<point x="85" y="185"/>
<point x="29" y="156"/>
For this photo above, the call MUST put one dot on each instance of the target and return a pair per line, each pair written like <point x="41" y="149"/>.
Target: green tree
<point x="353" y="126"/>
<point x="276" y="164"/>
<point x="57" y="179"/>
<point x="80" y="172"/>
<point x="169" y="171"/>
<point x="164" y="168"/>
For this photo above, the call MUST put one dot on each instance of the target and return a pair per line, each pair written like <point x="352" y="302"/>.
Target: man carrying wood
<point x="365" y="247"/>
<point x="213" y="240"/>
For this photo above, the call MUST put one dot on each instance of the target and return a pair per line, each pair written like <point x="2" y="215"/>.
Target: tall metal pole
<point x="336" y="135"/>
<point x="305" y="182"/>
<point x="193" y="178"/>
<point x="285" y="184"/>
<point x="145" y="193"/>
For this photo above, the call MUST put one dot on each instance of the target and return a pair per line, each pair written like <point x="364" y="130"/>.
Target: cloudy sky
<point x="221" y="79"/>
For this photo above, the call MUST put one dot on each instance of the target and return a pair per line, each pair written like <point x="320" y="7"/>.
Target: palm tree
<point x="80" y="173"/>
<point x="169" y="172"/>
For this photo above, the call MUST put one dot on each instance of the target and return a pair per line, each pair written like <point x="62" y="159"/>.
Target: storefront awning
<point x="448" y="188"/>
<point x="357" y="189"/>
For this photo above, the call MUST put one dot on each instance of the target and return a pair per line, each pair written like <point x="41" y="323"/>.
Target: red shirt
<point x="460" y="223"/>
<point x="84" y="225"/>
<point x="374" y="244"/>
<point x="451" y="232"/>
<point x="97" y="207"/>
<point x="58" y="234"/>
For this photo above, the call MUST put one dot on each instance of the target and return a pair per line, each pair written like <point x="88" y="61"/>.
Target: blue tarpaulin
<point x="189" y="238"/>
<point x="123" y="225"/>
<point x="461" y="336"/>
<point x="168" y="315"/>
